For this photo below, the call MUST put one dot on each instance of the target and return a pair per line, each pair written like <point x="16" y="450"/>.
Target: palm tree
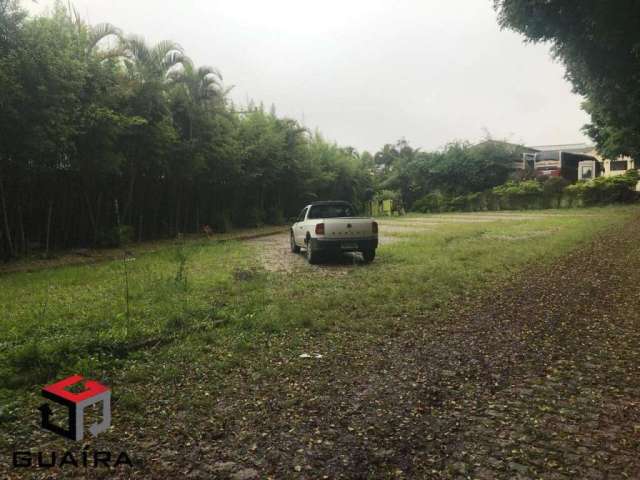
<point x="203" y="85"/>
<point x="91" y="36"/>
<point x="97" y="34"/>
<point x="152" y="63"/>
<point x="148" y="68"/>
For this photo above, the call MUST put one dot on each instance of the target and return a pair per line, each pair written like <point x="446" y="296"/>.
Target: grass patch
<point x="210" y="307"/>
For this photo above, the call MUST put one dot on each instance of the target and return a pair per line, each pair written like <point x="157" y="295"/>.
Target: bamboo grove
<point x="104" y="137"/>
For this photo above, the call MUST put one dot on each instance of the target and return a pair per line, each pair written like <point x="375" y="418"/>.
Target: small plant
<point x="116" y="236"/>
<point x="180" y="258"/>
<point x="175" y="324"/>
<point x="125" y="274"/>
<point x="43" y="312"/>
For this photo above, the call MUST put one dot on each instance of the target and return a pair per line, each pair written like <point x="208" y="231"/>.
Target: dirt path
<point x="90" y="256"/>
<point x="275" y="254"/>
<point x="537" y="380"/>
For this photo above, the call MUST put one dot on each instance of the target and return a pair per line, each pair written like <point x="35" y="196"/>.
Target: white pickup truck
<point x="332" y="228"/>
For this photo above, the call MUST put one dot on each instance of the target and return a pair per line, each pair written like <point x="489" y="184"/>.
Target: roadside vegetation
<point x="106" y="140"/>
<point x="551" y="192"/>
<point x="466" y="177"/>
<point x="196" y="302"/>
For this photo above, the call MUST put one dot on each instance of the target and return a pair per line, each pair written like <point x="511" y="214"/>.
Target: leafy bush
<point x="605" y="190"/>
<point x="457" y="204"/>
<point x="552" y="189"/>
<point x="116" y="236"/>
<point x="430" y="203"/>
<point x="519" y="195"/>
<point x="552" y="192"/>
<point x="573" y="194"/>
<point x="472" y="202"/>
<point x="476" y="202"/>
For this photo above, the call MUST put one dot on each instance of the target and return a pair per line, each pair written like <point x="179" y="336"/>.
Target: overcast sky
<point x="368" y="72"/>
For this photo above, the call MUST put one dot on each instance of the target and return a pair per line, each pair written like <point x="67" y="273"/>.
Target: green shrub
<point x="491" y="200"/>
<point x="553" y="192"/>
<point x="519" y="195"/>
<point x="430" y="203"/>
<point x="572" y="195"/>
<point x="116" y="236"/>
<point x="476" y="202"/>
<point x="552" y="189"/>
<point x="457" y="204"/>
<point x="604" y="190"/>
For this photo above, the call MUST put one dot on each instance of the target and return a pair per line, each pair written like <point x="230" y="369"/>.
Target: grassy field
<point x="210" y="306"/>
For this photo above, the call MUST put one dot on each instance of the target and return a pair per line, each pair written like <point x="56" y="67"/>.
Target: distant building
<point x="571" y="161"/>
<point x="619" y="166"/>
<point x="559" y="160"/>
<point x="575" y="161"/>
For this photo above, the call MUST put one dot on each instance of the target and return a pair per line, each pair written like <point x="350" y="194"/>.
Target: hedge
<point x="553" y="192"/>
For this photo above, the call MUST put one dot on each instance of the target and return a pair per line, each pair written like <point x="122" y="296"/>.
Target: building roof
<point x="565" y="147"/>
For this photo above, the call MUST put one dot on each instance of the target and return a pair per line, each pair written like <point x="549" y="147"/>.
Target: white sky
<point x="368" y="72"/>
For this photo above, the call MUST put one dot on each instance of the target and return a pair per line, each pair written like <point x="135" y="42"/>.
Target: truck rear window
<point x="330" y="211"/>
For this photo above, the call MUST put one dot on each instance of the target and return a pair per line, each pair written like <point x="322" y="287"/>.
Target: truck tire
<point x="294" y="248"/>
<point x="369" y="255"/>
<point x="313" y="257"/>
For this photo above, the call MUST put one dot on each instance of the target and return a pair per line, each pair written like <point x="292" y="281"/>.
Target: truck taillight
<point x="374" y="227"/>
<point x="320" y="229"/>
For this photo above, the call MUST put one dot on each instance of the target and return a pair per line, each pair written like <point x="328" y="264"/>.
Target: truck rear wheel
<point x="294" y="248"/>
<point x="369" y="255"/>
<point x="313" y="257"/>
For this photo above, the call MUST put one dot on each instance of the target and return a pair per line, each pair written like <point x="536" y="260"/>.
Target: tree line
<point x="458" y="169"/>
<point x="104" y="137"/>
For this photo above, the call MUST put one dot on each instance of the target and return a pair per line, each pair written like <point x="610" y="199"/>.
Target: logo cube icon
<point x="76" y="403"/>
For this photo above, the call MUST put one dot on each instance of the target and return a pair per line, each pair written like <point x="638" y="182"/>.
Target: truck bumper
<point x="345" y="245"/>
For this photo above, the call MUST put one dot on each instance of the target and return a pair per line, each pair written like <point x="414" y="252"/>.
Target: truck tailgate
<point x="346" y="228"/>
